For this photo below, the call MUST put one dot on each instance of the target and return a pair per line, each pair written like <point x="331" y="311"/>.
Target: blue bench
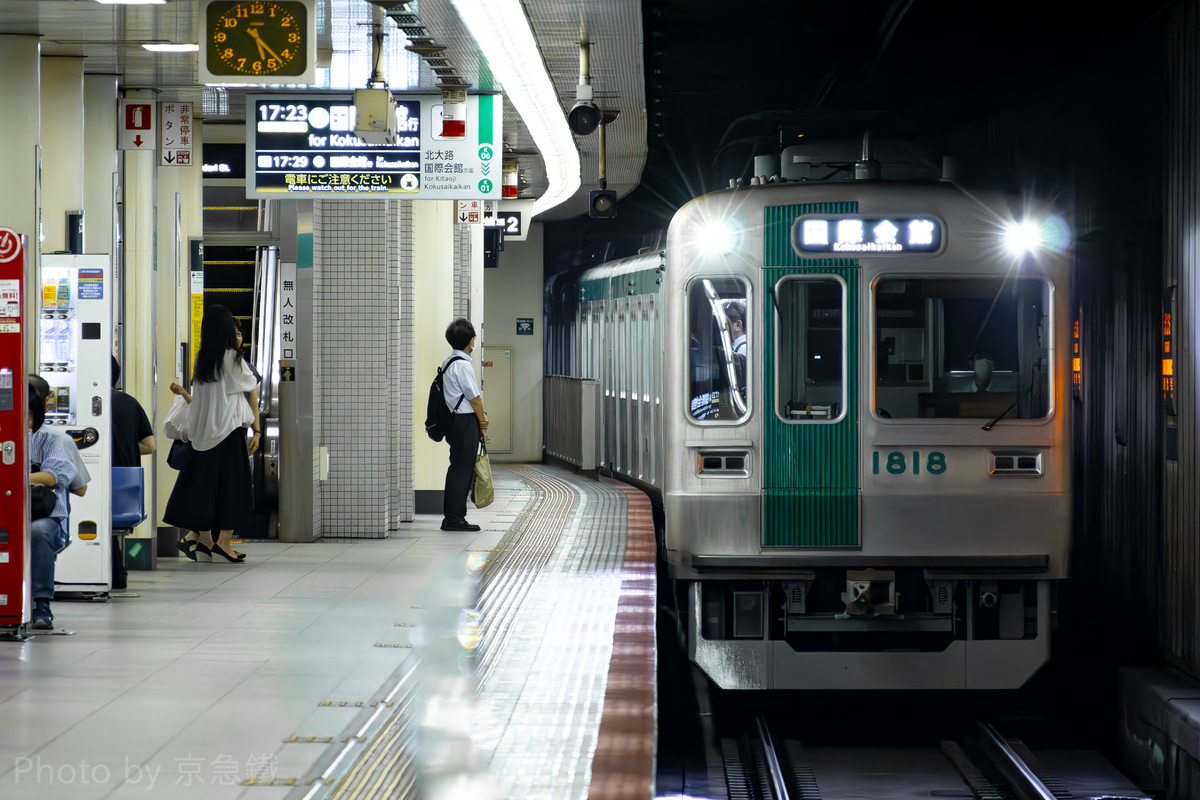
<point x="128" y="503"/>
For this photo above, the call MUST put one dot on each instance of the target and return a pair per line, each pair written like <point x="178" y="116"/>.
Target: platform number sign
<point x="1168" y="355"/>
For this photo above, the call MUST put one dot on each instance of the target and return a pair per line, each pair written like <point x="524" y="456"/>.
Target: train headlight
<point x="1022" y="237"/>
<point x="1029" y="236"/>
<point x="718" y="237"/>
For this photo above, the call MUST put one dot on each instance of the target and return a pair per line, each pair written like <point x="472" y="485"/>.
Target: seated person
<point x="51" y="465"/>
<point x="82" y="477"/>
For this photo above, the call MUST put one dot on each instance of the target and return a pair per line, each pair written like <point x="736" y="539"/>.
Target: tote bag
<point x="484" y="493"/>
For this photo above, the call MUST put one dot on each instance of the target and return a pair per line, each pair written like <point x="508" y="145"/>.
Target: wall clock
<point x="258" y="41"/>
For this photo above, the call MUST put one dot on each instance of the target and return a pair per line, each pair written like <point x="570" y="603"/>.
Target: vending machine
<point x="75" y="358"/>
<point x="15" y="602"/>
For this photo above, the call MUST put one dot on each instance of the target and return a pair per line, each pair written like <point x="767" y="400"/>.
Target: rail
<point x="572" y="419"/>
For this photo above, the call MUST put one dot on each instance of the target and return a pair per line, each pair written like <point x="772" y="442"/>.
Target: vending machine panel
<point x="75" y="358"/>
<point x="14" y="462"/>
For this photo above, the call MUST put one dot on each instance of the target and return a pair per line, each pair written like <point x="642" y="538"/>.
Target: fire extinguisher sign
<point x="136" y="123"/>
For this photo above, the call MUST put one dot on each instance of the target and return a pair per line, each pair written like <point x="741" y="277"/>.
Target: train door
<point x="811" y="495"/>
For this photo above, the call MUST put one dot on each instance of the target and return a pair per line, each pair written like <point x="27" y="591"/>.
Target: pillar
<point x="137" y="349"/>
<point x="180" y="194"/>
<point x="62" y="146"/>
<point x="99" y="161"/>
<point x="20" y="132"/>
<point x="433" y="284"/>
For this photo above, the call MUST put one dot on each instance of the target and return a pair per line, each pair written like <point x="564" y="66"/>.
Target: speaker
<point x="75" y="232"/>
<point x="493" y="243"/>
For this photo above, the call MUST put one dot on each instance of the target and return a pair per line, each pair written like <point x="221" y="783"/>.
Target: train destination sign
<point x="860" y="235"/>
<point x="305" y="146"/>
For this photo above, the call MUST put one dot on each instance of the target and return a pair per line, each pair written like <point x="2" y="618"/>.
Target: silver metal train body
<point x="852" y="400"/>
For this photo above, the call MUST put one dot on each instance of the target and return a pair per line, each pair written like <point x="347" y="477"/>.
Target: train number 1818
<point x="896" y="463"/>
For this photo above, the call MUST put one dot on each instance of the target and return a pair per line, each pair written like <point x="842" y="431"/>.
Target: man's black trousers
<point x="463" y="439"/>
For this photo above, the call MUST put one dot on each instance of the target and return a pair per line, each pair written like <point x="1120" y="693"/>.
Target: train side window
<point x="719" y="325"/>
<point x="811" y="340"/>
<point x="970" y="347"/>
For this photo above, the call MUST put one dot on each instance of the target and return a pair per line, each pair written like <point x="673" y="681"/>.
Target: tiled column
<point x="462" y="271"/>
<point x="363" y="377"/>
<point x="403" y="345"/>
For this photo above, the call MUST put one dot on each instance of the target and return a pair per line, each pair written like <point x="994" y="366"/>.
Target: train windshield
<point x="810" y="374"/>
<point x="962" y="347"/>
<point x="718" y="327"/>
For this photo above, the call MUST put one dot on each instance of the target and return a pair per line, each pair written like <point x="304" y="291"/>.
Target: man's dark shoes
<point x="458" y="525"/>
<point x="43" y="620"/>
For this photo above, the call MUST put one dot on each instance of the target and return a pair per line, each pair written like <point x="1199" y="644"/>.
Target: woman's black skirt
<point x="212" y="491"/>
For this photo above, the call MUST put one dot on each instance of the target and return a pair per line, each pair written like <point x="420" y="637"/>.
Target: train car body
<point x="852" y="400"/>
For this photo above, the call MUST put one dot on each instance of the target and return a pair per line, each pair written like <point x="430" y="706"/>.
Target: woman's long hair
<point x="218" y="333"/>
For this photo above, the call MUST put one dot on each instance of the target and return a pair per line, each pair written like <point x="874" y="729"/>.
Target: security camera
<point x="583" y="118"/>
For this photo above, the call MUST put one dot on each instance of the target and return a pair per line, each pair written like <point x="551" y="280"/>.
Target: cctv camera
<point x="583" y="118"/>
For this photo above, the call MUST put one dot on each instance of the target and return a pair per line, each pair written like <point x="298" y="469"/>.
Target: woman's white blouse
<point x="218" y="407"/>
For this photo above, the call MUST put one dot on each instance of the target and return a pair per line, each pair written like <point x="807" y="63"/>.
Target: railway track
<point x="982" y="764"/>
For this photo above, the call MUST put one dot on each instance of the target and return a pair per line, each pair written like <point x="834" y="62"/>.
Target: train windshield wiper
<point x="989" y="426"/>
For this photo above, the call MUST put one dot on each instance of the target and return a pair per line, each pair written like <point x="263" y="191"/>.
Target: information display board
<point x="303" y="145"/>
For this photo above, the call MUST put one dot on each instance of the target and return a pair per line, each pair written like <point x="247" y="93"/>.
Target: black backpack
<point x="437" y="415"/>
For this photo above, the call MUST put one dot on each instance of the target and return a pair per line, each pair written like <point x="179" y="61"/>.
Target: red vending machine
<point x="14" y="438"/>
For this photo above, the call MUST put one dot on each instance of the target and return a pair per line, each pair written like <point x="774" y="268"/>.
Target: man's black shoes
<point x="458" y="525"/>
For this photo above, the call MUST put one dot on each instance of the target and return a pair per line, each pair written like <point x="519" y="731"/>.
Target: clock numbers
<point x="230" y="22"/>
<point x="220" y="37"/>
<point x="242" y="11"/>
<point x="257" y="8"/>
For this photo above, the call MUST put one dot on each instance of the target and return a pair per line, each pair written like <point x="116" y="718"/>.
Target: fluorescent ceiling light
<point x="172" y="48"/>
<point x="133" y="2"/>
<point x="502" y="32"/>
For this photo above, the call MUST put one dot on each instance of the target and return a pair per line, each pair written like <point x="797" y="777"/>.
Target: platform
<point x="307" y="672"/>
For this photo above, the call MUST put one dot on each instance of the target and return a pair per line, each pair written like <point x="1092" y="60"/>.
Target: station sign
<point x="175" y="135"/>
<point x="853" y="235"/>
<point x="305" y="146"/>
<point x="136" y="125"/>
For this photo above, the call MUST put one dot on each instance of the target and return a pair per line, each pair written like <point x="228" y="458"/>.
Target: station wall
<point x="512" y="292"/>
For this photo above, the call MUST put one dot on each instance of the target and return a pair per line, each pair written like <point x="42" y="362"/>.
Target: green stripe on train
<point x="630" y="284"/>
<point x="810" y="474"/>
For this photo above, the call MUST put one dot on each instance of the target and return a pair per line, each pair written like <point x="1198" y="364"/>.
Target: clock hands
<point x="253" y="32"/>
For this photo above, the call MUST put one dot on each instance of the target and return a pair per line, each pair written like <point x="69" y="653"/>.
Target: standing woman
<point x="212" y="492"/>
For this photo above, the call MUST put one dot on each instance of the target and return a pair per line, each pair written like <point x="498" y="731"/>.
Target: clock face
<point x="257" y="37"/>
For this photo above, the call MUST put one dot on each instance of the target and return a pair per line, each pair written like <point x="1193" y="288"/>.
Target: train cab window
<point x="810" y="377"/>
<point x="962" y="347"/>
<point x="718" y="349"/>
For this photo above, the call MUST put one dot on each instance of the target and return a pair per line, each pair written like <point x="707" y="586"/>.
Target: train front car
<point x="867" y="416"/>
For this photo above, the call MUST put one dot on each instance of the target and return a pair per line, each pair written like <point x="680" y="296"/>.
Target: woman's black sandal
<point x="217" y="550"/>
<point x="188" y="548"/>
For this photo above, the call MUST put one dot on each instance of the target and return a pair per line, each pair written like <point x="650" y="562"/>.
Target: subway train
<point x="852" y="403"/>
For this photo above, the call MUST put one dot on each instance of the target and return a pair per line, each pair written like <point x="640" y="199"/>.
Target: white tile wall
<point x="362" y="343"/>
<point x="403" y="341"/>
<point x="462" y="272"/>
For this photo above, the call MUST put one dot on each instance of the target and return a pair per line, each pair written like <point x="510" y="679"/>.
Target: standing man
<point x="132" y="438"/>
<point x="470" y="424"/>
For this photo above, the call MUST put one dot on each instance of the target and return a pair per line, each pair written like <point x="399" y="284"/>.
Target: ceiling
<point x="110" y="38"/>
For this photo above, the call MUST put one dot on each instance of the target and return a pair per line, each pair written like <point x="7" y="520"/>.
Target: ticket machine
<point x="15" y="602"/>
<point x="75" y="358"/>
